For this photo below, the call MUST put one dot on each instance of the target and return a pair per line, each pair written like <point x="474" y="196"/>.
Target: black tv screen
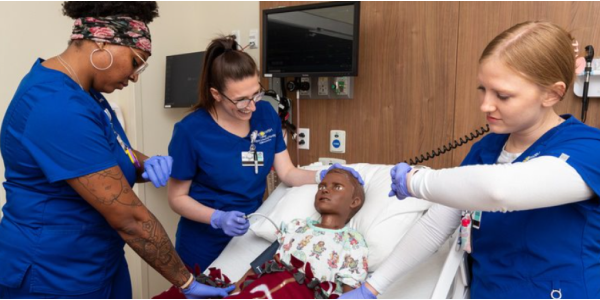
<point x="182" y="78"/>
<point x="311" y="40"/>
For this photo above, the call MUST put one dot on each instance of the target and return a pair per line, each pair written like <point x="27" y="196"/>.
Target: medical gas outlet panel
<point x="328" y="88"/>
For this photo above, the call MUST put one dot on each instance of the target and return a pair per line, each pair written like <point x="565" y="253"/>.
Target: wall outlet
<point x="323" y="86"/>
<point x="253" y="39"/>
<point x="328" y="161"/>
<point x="303" y="138"/>
<point x="337" y="142"/>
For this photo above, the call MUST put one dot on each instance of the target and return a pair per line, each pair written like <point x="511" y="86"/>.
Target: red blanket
<point x="279" y="281"/>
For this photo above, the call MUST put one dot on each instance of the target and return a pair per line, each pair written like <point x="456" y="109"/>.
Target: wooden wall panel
<point x="403" y="96"/>
<point x="480" y="22"/>
<point x="416" y="88"/>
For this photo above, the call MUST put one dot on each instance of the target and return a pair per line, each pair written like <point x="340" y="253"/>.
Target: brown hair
<point x="541" y="51"/>
<point x="222" y="61"/>
<point x="359" y="191"/>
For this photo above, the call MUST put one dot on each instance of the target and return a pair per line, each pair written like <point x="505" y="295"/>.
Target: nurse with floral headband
<point x="70" y="168"/>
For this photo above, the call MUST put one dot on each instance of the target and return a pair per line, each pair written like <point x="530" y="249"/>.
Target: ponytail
<point x="222" y="62"/>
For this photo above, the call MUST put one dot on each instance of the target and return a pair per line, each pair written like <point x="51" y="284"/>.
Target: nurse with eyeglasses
<point x="243" y="103"/>
<point x="223" y="152"/>
<point x="70" y="169"/>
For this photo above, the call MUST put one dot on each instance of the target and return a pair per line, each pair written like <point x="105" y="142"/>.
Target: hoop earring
<point x="94" y="65"/>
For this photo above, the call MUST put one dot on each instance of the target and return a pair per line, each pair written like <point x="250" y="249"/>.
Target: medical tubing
<point x="261" y="215"/>
<point x="452" y="145"/>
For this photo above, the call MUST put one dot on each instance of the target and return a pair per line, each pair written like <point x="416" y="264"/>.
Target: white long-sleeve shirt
<point x="541" y="182"/>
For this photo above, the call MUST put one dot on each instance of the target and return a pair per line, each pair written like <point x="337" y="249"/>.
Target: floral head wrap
<point x="118" y="30"/>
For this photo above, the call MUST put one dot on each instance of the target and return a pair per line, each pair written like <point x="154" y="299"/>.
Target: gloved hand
<point x="399" y="187"/>
<point x="338" y="166"/>
<point x="198" y="290"/>
<point x="157" y="169"/>
<point x="232" y="223"/>
<point x="360" y="293"/>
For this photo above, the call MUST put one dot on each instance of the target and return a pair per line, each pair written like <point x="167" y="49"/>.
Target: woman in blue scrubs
<point x="70" y="168"/>
<point x="526" y="197"/>
<point x="223" y="152"/>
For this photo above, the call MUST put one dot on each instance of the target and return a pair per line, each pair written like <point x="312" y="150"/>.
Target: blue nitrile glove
<point x="338" y="166"/>
<point x="360" y="293"/>
<point x="157" y="169"/>
<point x="201" y="291"/>
<point x="399" y="187"/>
<point x="232" y="223"/>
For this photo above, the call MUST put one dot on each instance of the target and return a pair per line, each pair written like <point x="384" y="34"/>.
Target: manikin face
<point x="126" y="61"/>
<point x="235" y="91"/>
<point x="512" y="104"/>
<point x="335" y="195"/>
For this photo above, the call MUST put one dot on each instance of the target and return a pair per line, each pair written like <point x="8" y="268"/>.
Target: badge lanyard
<point x="252" y="157"/>
<point x="128" y="150"/>
<point x="132" y="157"/>
<point x="470" y="220"/>
<point x="253" y="137"/>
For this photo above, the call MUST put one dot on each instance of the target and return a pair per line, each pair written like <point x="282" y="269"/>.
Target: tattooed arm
<point x="110" y="194"/>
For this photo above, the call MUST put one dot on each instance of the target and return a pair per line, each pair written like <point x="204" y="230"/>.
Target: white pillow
<point x="382" y="220"/>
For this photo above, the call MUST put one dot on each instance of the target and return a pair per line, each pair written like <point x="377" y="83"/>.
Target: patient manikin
<point x="316" y="258"/>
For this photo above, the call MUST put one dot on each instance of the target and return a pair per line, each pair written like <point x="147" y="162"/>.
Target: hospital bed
<point x="382" y="220"/>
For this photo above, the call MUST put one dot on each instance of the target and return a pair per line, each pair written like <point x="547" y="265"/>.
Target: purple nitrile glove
<point x="399" y="187"/>
<point x="338" y="166"/>
<point x="157" y="169"/>
<point x="232" y="223"/>
<point x="198" y="290"/>
<point x="360" y="293"/>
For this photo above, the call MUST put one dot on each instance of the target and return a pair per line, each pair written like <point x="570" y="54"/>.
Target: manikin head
<point x="339" y="193"/>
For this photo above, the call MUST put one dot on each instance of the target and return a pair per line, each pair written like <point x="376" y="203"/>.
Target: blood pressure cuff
<point x="267" y="255"/>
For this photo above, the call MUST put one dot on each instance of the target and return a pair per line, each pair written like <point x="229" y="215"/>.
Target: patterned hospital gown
<point x="340" y="256"/>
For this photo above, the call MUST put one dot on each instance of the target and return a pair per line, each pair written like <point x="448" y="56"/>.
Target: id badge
<point x="248" y="159"/>
<point x="476" y="219"/>
<point x="464" y="237"/>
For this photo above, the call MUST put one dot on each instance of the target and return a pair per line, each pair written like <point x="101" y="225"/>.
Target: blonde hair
<point x="540" y="51"/>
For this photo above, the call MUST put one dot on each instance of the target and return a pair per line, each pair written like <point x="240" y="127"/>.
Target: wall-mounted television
<point x="311" y="40"/>
<point x="182" y="78"/>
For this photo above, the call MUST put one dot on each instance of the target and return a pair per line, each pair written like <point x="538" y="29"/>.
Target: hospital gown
<point x="339" y="256"/>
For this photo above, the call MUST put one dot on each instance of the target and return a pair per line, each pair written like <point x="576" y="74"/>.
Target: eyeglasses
<point x="243" y="103"/>
<point x="138" y="69"/>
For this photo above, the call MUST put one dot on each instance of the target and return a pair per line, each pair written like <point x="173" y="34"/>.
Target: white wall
<point x="181" y="28"/>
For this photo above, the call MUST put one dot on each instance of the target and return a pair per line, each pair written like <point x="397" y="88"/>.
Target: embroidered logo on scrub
<point x="265" y="136"/>
<point x="531" y="157"/>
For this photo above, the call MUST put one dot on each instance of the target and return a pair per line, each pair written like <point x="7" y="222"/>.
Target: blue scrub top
<point x="211" y="158"/>
<point x="528" y="254"/>
<point x="52" y="131"/>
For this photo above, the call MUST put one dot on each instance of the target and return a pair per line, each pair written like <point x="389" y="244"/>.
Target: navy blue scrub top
<point x="528" y="254"/>
<point x="52" y="131"/>
<point x="211" y="157"/>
